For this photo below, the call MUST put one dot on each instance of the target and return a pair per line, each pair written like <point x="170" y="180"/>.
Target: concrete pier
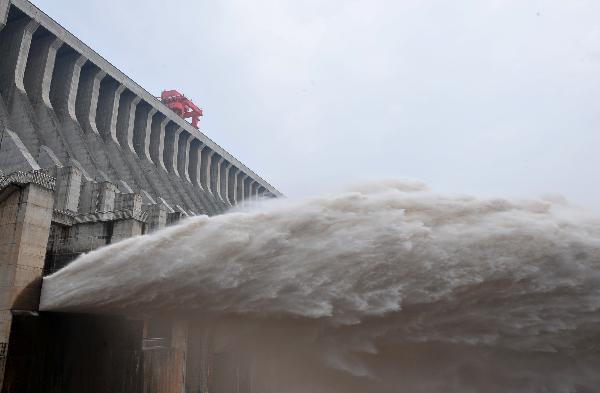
<point x="26" y="201"/>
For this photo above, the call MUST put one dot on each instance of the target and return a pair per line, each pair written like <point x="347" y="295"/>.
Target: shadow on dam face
<point x="87" y="353"/>
<point x="74" y="353"/>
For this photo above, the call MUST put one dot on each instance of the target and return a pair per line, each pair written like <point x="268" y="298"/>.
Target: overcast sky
<point x="495" y="97"/>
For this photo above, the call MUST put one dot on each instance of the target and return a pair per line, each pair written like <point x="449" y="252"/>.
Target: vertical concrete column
<point x="109" y="100"/>
<point x="108" y="109"/>
<point x="197" y="176"/>
<point x="241" y="182"/>
<point x="119" y="93"/>
<point x="253" y="187"/>
<point x="194" y="161"/>
<point x="232" y="184"/>
<point x="111" y="104"/>
<point x="162" y="132"/>
<point x="65" y="83"/>
<point x="205" y="158"/>
<point x="188" y="152"/>
<point x="63" y="95"/>
<point x="212" y="177"/>
<point x="247" y="187"/>
<point x="125" y="129"/>
<point x="40" y="67"/>
<point x="148" y="141"/>
<point x="171" y="147"/>
<point x="131" y="123"/>
<point x="259" y="191"/>
<point x="87" y="98"/>
<point x="125" y="120"/>
<point x="25" y="216"/>
<point x="224" y="180"/>
<point x="140" y="128"/>
<point x="15" y="42"/>
<point x="86" y="110"/>
<point x="174" y="157"/>
<point x="214" y="169"/>
<point x="143" y="131"/>
<point x="183" y="156"/>
<point x="38" y="80"/>
<point x="157" y="140"/>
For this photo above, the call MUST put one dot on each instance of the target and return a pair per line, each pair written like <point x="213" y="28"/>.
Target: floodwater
<point x="388" y="287"/>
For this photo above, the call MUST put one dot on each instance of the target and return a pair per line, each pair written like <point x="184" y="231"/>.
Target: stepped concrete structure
<point x="87" y="158"/>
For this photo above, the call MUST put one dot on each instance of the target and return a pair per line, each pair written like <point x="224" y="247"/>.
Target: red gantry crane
<point x="181" y="105"/>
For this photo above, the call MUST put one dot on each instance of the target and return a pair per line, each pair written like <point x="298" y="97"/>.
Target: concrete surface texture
<point x="64" y="105"/>
<point x="88" y="158"/>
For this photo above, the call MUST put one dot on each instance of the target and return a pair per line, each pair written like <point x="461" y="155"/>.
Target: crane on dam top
<point x="181" y="105"/>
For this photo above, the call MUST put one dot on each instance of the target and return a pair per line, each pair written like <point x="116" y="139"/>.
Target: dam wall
<point x="89" y="158"/>
<point x="61" y="104"/>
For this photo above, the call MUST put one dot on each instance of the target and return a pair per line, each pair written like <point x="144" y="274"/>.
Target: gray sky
<point x="495" y="97"/>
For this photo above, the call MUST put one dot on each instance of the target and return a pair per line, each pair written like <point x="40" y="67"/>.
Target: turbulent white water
<point x="386" y="288"/>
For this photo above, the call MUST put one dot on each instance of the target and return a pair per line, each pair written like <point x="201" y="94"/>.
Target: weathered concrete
<point x="68" y="189"/>
<point x="181" y="157"/>
<point x="141" y="147"/>
<point x="205" y="158"/>
<point x="40" y="67"/>
<point x="109" y="98"/>
<point x="14" y="156"/>
<point x="241" y="180"/>
<point x="155" y="176"/>
<point x="38" y="79"/>
<point x="247" y="187"/>
<point x="171" y="147"/>
<point x="232" y="186"/>
<point x="195" y="171"/>
<point x="86" y="110"/>
<point x="260" y="191"/>
<point x="170" y="155"/>
<point x="156" y="149"/>
<point x="253" y="189"/>
<point x="224" y="180"/>
<point x="125" y="133"/>
<point x="157" y="140"/>
<point x="15" y="41"/>
<point x="147" y="99"/>
<point x="104" y="161"/>
<point x="25" y="215"/>
<point x="4" y="6"/>
<point x="63" y="93"/>
<point x="214" y="169"/>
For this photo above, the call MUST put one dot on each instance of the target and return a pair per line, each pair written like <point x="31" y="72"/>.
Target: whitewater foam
<point x="387" y="287"/>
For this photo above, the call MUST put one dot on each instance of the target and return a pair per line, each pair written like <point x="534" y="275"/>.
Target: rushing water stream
<point x="386" y="288"/>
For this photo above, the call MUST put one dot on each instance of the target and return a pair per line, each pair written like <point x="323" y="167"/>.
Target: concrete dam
<point x="88" y="158"/>
<point x="384" y="287"/>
